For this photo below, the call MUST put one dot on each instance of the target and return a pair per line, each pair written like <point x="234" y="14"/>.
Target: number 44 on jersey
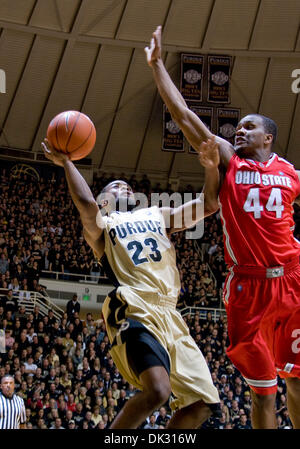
<point x="274" y="203"/>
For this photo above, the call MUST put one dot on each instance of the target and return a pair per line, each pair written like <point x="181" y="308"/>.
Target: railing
<point x="216" y="313"/>
<point x="199" y="250"/>
<point x="73" y="277"/>
<point x="210" y="271"/>
<point x="30" y="299"/>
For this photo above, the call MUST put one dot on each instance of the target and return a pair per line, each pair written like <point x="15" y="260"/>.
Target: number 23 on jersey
<point x="138" y="248"/>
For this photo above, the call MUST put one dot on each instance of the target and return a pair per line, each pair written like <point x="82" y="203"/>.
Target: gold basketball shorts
<point x="190" y="377"/>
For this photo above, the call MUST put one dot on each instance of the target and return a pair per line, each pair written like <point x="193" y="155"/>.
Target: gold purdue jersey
<point x="139" y="252"/>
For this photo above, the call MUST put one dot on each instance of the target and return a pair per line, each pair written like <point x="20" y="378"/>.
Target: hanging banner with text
<point x="227" y="120"/>
<point x="205" y="114"/>
<point x="172" y="135"/>
<point x="218" y="79"/>
<point x="191" y="77"/>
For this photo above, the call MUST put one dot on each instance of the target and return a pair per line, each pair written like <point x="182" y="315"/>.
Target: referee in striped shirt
<point x="12" y="407"/>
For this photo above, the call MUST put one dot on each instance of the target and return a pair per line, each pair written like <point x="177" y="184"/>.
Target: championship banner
<point x="218" y="79"/>
<point x="227" y="120"/>
<point x="191" y="77"/>
<point x="206" y="115"/>
<point x="172" y="135"/>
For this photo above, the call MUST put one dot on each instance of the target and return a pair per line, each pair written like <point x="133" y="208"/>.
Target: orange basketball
<point x="72" y="132"/>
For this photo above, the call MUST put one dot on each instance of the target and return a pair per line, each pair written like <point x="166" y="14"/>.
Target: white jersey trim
<point x="296" y="239"/>
<point x="226" y="297"/>
<point x="261" y="383"/>
<point x="271" y="160"/>
<point x="284" y="160"/>
<point x="227" y="240"/>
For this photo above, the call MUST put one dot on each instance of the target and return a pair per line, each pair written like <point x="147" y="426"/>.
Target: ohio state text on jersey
<point x="256" y="207"/>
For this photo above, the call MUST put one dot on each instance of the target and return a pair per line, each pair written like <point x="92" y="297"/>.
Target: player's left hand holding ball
<point x="57" y="157"/>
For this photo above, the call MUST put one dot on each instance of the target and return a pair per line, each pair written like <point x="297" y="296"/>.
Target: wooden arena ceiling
<point x="88" y="55"/>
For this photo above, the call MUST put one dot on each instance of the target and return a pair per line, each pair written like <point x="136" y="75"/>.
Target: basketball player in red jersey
<point x="255" y="190"/>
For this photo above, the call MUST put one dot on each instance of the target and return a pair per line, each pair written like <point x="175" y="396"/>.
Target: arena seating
<point x="71" y="375"/>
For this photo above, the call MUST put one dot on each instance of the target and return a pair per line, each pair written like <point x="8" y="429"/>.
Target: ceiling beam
<point x="58" y="15"/>
<point x="254" y="24"/>
<point x="63" y="64"/>
<point x="120" y="20"/>
<point x="264" y="85"/>
<point x="141" y="44"/>
<point x="210" y="27"/>
<point x="103" y="14"/>
<point x="155" y="97"/>
<point x="116" y="111"/>
<point x="2" y="126"/>
<point x="32" y="11"/>
<point x="294" y="118"/>
<point x="297" y="40"/>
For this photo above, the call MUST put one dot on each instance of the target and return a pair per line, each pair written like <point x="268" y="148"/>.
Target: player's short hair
<point x="105" y="189"/>
<point x="269" y="126"/>
<point x="102" y="194"/>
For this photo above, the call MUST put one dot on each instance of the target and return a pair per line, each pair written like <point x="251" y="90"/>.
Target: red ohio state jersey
<point x="257" y="213"/>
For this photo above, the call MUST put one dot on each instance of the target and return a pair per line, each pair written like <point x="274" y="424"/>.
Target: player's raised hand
<point x="209" y="155"/>
<point x="153" y="53"/>
<point x="57" y="157"/>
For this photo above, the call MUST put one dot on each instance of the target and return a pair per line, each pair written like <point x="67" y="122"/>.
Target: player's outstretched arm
<point x="209" y="157"/>
<point x="185" y="216"/>
<point x="82" y="198"/>
<point x="190" y="213"/>
<point x="193" y="128"/>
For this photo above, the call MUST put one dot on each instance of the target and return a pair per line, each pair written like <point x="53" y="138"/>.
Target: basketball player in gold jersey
<point x="151" y="344"/>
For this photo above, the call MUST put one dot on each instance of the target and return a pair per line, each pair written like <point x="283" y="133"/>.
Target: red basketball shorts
<point x="263" y="312"/>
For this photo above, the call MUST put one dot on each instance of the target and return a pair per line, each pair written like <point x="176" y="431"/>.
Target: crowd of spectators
<point x="63" y="368"/>
<point x="41" y="233"/>
<point x="65" y="374"/>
